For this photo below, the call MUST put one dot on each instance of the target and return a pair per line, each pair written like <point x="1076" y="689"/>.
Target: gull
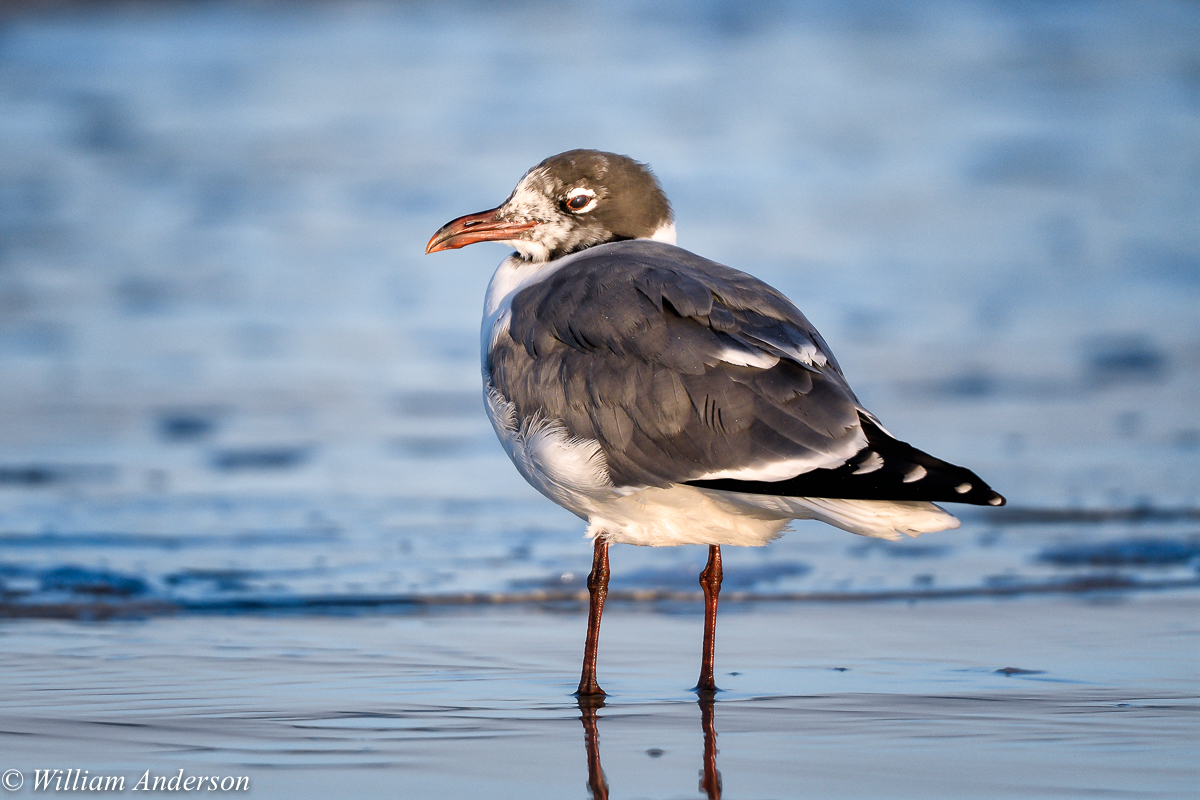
<point x="667" y="399"/>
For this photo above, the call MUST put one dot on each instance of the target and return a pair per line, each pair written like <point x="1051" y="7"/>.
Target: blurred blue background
<point x="228" y="370"/>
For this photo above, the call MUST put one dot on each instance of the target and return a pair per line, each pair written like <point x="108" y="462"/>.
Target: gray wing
<point x="679" y="367"/>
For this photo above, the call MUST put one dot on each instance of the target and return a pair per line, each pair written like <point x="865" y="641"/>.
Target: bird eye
<point x="581" y="199"/>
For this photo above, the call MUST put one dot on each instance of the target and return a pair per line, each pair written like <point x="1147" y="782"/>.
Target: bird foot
<point x="590" y="694"/>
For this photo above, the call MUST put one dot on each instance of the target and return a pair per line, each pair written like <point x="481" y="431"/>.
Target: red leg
<point x="710" y="582"/>
<point x="597" y="584"/>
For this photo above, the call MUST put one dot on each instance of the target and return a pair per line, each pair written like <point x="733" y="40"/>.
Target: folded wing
<point x="687" y="371"/>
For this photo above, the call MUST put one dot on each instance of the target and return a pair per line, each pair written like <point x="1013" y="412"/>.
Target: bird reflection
<point x="588" y="706"/>
<point x="710" y="776"/>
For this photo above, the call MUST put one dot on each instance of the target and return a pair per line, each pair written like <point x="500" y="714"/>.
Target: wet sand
<point x="821" y="700"/>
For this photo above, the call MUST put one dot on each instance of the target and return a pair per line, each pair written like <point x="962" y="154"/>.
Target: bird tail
<point x="881" y="519"/>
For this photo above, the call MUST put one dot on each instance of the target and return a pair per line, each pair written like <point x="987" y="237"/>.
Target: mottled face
<point x="566" y="203"/>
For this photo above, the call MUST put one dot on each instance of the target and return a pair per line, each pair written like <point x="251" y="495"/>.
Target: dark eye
<point x="580" y="199"/>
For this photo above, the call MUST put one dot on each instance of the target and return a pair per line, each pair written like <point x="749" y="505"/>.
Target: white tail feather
<point x="881" y="519"/>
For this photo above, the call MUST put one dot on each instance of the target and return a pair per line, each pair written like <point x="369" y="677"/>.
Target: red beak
<point x="486" y="226"/>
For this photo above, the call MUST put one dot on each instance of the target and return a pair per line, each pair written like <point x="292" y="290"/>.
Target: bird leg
<point x="710" y="776"/>
<point x="597" y="785"/>
<point x="710" y="582"/>
<point x="597" y="584"/>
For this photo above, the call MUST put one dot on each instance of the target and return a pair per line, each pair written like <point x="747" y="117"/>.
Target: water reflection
<point x="710" y="776"/>
<point x="597" y="784"/>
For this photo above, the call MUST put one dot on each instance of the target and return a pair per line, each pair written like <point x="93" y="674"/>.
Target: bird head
<point x="570" y="201"/>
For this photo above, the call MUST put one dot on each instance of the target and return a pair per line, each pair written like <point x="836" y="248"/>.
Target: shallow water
<point x="131" y="558"/>
<point x="252" y="517"/>
<point x="820" y="700"/>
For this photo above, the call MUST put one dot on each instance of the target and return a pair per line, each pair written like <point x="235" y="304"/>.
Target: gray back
<point x="631" y="344"/>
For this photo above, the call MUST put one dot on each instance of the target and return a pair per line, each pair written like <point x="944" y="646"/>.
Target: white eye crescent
<point x="581" y="200"/>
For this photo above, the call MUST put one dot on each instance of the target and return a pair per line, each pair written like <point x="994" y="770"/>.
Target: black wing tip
<point x="981" y="495"/>
<point x="905" y="474"/>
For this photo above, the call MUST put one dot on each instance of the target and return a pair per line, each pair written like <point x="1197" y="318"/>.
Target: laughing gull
<point x="668" y="399"/>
